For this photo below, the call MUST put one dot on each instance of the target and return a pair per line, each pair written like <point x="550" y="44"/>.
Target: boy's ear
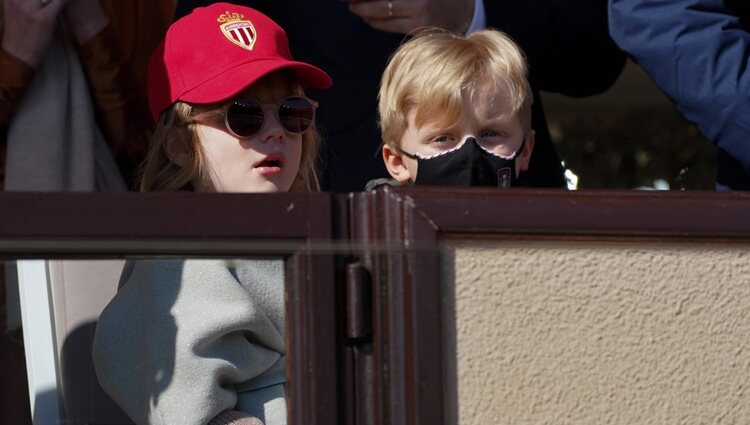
<point x="525" y="156"/>
<point x="177" y="153"/>
<point x="394" y="162"/>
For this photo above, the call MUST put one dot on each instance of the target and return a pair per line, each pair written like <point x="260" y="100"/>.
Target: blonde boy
<point x="456" y="110"/>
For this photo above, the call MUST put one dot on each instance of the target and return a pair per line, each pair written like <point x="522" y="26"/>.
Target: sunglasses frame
<point x="224" y="112"/>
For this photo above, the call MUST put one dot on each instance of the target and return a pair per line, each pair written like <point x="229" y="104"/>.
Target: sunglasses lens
<point x="296" y="114"/>
<point x="245" y="118"/>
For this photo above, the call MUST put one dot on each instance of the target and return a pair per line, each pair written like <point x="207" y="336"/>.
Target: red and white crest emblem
<point x="237" y="30"/>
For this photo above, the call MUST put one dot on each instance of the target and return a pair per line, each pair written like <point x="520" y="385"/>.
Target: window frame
<point x="299" y="227"/>
<point x="399" y="376"/>
<point x="392" y="375"/>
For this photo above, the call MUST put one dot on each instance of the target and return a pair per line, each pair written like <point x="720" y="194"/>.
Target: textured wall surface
<point x="573" y="333"/>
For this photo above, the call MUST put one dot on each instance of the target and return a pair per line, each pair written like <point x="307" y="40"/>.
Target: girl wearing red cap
<point x="198" y="342"/>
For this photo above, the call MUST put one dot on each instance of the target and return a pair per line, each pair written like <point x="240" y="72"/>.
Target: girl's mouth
<point x="271" y="164"/>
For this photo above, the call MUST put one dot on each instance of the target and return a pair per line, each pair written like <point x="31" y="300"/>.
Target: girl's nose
<point x="272" y="129"/>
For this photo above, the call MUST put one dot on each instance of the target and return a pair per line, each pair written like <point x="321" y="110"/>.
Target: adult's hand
<point x="29" y="25"/>
<point x="404" y="16"/>
<point x="85" y="19"/>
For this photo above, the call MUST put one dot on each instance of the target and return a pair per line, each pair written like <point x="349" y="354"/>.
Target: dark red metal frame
<point x="299" y="227"/>
<point x="398" y="376"/>
<point x="388" y="368"/>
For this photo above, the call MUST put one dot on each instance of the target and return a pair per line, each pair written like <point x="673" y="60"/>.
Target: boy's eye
<point x="443" y="138"/>
<point x="491" y="133"/>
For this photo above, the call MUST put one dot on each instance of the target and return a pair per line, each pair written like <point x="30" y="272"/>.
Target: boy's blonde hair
<point x="159" y="173"/>
<point x="432" y="70"/>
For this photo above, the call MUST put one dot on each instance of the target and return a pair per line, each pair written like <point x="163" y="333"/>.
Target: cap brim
<point x="231" y="82"/>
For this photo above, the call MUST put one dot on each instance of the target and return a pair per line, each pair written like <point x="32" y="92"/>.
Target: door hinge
<point x="358" y="303"/>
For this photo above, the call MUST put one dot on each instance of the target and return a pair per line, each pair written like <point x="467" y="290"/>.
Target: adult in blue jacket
<point x="567" y="43"/>
<point x="698" y="53"/>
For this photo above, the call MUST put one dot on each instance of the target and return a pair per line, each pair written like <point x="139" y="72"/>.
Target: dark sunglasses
<point x="244" y="118"/>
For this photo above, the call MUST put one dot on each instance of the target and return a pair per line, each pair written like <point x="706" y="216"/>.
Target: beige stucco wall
<point x="577" y="333"/>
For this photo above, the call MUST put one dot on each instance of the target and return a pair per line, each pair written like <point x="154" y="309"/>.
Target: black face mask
<point x="469" y="165"/>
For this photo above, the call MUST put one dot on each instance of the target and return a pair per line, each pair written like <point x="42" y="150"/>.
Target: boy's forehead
<point x="487" y="94"/>
<point x="488" y="101"/>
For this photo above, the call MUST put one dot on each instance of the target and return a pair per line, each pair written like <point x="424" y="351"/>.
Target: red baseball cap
<point x="216" y="52"/>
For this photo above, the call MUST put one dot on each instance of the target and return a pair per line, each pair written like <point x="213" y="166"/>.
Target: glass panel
<point x="180" y="339"/>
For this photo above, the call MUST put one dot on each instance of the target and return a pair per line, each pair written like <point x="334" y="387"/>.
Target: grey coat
<point x="183" y="341"/>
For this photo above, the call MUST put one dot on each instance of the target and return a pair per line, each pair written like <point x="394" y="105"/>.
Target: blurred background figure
<point x="73" y="116"/>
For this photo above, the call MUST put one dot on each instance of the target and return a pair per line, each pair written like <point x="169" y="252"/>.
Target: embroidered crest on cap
<point x="237" y="30"/>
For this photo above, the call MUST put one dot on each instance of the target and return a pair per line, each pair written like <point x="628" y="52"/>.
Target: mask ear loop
<point x="408" y="155"/>
<point x="519" y="150"/>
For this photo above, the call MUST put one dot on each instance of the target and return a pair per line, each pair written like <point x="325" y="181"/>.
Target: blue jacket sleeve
<point x="697" y="52"/>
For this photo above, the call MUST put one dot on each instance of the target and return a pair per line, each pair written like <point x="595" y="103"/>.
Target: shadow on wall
<point x="84" y="399"/>
<point x="630" y="137"/>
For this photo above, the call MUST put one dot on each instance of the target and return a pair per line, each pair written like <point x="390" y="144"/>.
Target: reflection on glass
<point x="178" y="340"/>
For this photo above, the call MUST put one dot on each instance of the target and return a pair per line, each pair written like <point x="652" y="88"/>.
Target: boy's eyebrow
<point x="430" y="129"/>
<point x="502" y="118"/>
<point x="440" y="123"/>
